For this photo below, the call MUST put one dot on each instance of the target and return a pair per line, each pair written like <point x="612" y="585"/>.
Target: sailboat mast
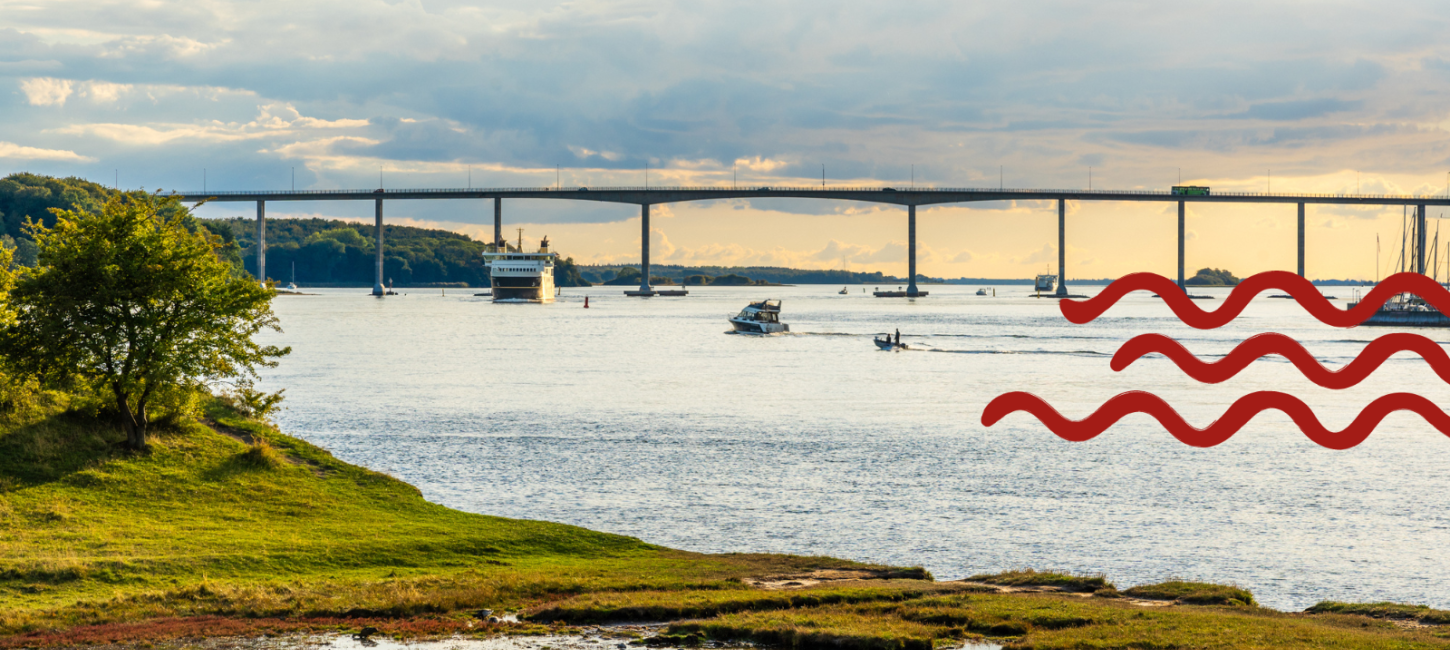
<point x="1435" y="254"/>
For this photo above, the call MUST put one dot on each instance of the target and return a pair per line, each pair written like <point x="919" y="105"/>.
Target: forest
<point x="324" y="251"/>
<point x="341" y="253"/>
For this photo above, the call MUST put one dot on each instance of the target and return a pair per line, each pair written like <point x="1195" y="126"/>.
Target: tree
<point x="132" y="302"/>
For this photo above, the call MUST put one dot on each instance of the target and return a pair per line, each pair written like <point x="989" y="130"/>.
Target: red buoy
<point x="586" y="302"/>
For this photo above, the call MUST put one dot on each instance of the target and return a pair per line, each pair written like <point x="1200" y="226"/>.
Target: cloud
<point x="1293" y="110"/>
<point x="46" y="91"/>
<point x="12" y="151"/>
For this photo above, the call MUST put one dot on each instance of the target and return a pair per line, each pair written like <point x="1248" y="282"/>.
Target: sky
<point x="1293" y="96"/>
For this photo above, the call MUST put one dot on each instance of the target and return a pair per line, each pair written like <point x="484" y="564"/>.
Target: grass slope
<point x="230" y="527"/>
<point x="207" y="524"/>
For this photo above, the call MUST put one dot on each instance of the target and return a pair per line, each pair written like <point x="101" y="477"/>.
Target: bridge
<point x="905" y="196"/>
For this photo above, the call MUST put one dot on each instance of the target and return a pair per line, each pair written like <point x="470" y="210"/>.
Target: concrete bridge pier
<point x="644" y="289"/>
<point x="497" y="220"/>
<point x="911" y="291"/>
<point x="378" y="289"/>
<point x="1301" y="240"/>
<point x="1181" y="285"/>
<point x="1420" y="239"/>
<point x="262" y="242"/>
<point x="1062" y="248"/>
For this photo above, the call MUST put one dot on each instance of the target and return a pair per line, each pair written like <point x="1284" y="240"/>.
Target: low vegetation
<point x="1392" y="611"/>
<point x="1193" y="593"/>
<point x="1059" y="579"/>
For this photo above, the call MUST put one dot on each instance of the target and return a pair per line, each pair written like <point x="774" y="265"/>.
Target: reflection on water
<point x="639" y="416"/>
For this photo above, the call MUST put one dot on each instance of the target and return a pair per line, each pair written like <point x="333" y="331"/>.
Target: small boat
<point x="759" y="318"/>
<point x="887" y="343"/>
<point x="843" y="291"/>
<point x="981" y="292"/>
<point x="1045" y="282"/>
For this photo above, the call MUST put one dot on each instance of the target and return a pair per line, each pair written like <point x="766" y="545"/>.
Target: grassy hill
<point x="230" y="527"/>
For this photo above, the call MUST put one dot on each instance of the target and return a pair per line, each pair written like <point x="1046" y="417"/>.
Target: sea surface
<point x="644" y="417"/>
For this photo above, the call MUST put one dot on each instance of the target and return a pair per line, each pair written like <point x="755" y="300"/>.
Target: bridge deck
<point x="898" y="196"/>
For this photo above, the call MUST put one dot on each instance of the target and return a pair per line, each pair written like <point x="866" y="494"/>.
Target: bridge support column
<point x="378" y="222"/>
<point x="498" y="221"/>
<point x="644" y="288"/>
<point x="911" y="291"/>
<point x="262" y="242"/>
<point x="1420" y="239"/>
<point x="1301" y="240"/>
<point x="1180" y="247"/>
<point x="1062" y="248"/>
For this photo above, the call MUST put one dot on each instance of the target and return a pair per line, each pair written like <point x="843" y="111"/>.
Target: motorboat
<point x="759" y="318"/>
<point x="843" y="291"/>
<point x="887" y="343"/>
<point x="981" y="292"/>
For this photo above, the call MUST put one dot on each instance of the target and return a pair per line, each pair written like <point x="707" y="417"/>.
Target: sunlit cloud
<point x="12" y="151"/>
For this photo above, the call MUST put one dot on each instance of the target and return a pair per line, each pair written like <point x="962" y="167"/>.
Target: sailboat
<point x="291" y="286"/>
<point x="1406" y="309"/>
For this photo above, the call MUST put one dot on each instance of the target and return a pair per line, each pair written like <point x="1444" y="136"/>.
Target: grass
<point x="614" y="607"/>
<point x="1050" y="621"/>
<point x="1032" y="578"/>
<point x="1393" y="611"/>
<point x="1193" y="593"/>
<point x="209" y="525"/>
<point x="232" y="528"/>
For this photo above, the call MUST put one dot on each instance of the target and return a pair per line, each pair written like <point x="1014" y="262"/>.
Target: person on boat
<point x="898" y="336"/>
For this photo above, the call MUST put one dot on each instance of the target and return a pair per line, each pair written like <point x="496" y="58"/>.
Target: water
<point x="642" y="417"/>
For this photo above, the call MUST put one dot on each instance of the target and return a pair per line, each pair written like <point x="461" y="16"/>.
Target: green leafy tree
<point x="133" y="302"/>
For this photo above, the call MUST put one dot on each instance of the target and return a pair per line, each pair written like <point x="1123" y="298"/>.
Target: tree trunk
<point x="135" y="427"/>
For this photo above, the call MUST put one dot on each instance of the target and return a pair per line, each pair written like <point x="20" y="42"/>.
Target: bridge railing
<point x="1046" y="193"/>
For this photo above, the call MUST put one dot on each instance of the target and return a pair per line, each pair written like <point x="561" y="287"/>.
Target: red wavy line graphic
<point x="1237" y="415"/>
<point x="1085" y="311"/>
<point x="1264" y="345"/>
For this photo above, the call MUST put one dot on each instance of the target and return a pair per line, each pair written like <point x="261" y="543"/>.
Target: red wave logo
<point x="1221" y="429"/>
<point x="1085" y="311"/>
<point x="1263" y="345"/>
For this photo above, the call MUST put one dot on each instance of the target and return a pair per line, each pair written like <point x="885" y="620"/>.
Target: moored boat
<point x="759" y="318"/>
<point x="1405" y="310"/>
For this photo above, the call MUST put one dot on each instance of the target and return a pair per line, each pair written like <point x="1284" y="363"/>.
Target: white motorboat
<point x="843" y="291"/>
<point x="981" y="292"/>
<point x="759" y="318"/>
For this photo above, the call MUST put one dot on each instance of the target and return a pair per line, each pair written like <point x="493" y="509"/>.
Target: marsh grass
<point x="1193" y="593"/>
<point x="1033" y="578"/>
<point x="1392" y="611"/>
<point x="612" y="607"/>
<point x="1048" y="621"/>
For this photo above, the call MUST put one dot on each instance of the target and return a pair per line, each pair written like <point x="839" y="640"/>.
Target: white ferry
<point x="1045" y="282"/>
<point x="518" y="276"/>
